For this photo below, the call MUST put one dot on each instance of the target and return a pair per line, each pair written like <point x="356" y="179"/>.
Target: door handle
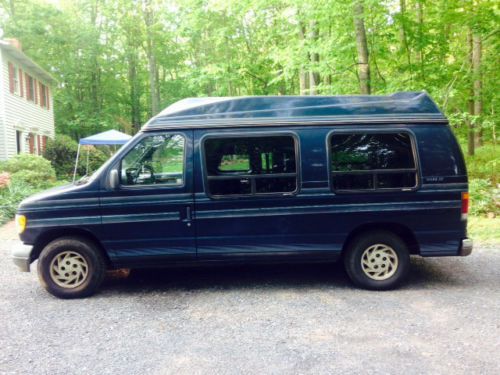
<point x="188" y="218"/>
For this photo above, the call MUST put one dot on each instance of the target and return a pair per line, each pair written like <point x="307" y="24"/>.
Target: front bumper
<point x="21" y="256"/>
<point x="465" y="247"/>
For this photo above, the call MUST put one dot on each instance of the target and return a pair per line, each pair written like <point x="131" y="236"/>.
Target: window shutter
<point x="21" y="86"/>
<point x="34" y="86"/>
<point x="28" y="88"/>
<point x="41" y="91"/>
<point x="32" y="143"/>
<point x="11" y="78"/>
<point x="44" y="142"/>
<point x="48" y="97"/>
<point x="39" y="143"/>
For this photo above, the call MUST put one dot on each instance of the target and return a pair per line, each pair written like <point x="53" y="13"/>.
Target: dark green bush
<point x="62" y="151"/>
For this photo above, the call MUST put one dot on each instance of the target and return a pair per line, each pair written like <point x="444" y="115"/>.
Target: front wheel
<point x="71" y="267"/>
<point x="377" y="260"/>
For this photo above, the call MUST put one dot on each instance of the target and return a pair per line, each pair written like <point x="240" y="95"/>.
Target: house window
<point x="44" y="97"/>
<point x="238" y="166"/>
<point x="14" y="79"/>
<point x="30" y="88"/>
<point x="372" y="161"/>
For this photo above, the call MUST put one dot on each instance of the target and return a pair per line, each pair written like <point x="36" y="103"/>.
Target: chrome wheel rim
<point x="379" y="262"/>
<point x="69" y="269"/>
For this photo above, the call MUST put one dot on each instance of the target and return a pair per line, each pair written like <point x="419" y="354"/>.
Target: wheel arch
<point x="402" y="231"/>
<point x="45" y="238"/>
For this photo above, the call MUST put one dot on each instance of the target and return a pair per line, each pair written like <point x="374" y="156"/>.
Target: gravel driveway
<point x="257" y="320"/>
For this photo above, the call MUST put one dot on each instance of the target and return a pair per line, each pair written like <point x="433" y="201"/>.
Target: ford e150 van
<point x="369" y="180"/>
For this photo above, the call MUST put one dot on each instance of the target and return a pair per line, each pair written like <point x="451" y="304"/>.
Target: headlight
<point x="20" y="223"/>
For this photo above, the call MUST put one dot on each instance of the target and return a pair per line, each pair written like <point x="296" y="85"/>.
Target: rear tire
<point x="377" y="260"/>
<point x="71" y="267"/>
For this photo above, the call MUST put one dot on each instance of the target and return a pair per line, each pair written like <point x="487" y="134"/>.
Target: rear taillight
<point x="465" y="205"/>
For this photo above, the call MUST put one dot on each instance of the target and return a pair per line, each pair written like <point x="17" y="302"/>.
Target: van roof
<point x="210" y="112"/>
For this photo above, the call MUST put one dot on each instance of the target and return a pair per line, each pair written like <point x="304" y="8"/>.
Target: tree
<point x="362" y="47"/>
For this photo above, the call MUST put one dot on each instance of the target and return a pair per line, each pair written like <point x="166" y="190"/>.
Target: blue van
<point x="369" y="180"/>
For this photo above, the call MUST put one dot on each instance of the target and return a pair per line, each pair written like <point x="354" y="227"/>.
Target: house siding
<point x="18" y="113"/>
<point x="3" y="133"/>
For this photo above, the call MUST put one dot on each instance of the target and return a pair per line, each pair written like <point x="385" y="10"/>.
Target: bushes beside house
<point x="62" y="151"/>
<point x="26" y="174"/>
<point x="20" y="177"/>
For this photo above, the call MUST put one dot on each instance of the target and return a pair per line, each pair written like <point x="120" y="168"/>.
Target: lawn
<point x="483" y="230"/>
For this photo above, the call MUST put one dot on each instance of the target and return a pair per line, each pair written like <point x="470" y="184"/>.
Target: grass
<point x="483" y="230"/>
<point x="485" y="163"/>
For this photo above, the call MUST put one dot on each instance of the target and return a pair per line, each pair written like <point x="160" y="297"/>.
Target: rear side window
<point x="440" y="154"/>
<point x="371" y="161"/>
<point x="238" y="166"/>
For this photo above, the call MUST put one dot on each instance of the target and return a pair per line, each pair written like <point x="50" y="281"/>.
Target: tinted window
<point x="364" y="161"/>
<point x="248" y="166"/>
<point x="157" y="159"/>
<point x="440" y="154"/>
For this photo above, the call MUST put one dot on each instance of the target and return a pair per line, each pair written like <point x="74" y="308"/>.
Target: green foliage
<point x="32" y="170"/>
<point x="485" y="164"/>
<point x="11" y="196"/>
<point x="62" y="151"/>
<point x="28" y="175"/>
<point x="484" y="197"/>
<point x="106" y="54"/>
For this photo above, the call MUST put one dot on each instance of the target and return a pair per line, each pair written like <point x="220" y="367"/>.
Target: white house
<point x="26" y="106"/>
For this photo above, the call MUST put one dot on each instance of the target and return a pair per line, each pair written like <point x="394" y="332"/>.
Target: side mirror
<point x="114" y="180"/>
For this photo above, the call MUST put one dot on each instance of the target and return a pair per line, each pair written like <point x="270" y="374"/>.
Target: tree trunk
<point x="314" y="78"/>
<point x="150" y="53"/>
<point x="420" y="15"/>
<point x="477" y="85"/>
<point x="303" y="75"/>
<point x="405" y="48"/>
<point x="470" y="102"/>
<point x="135" y="102"/>
<point x="362" y="46"/>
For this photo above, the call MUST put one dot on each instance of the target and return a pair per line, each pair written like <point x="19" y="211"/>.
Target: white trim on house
<point x="19" y="116"/>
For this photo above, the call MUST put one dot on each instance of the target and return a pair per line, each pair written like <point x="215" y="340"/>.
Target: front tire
<point x="71" y="267"/>
<point x="377" y="260"/>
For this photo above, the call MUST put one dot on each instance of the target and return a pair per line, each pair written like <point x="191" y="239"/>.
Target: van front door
<point x="147" y="219"/>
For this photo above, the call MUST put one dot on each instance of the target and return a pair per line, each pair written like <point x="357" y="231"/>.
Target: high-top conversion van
<point x="369" y="180"/>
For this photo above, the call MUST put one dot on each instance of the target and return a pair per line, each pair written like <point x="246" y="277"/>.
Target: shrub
<point x="484" y="197"/>
<point x="485" y="164"/>
<point x="4" y="179"/>
<point x="62" y="151"/>
<point x="11" y="196"/>
<point x="32" y="170"/>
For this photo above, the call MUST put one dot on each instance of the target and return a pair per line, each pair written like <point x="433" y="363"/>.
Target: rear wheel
<point x="377" y="260"/>
<point x="71" y="267"/>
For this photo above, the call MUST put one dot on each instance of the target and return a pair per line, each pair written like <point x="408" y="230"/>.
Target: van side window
<point x="156" y="159"/>
<point x="370" y="161"/>
<point x="250" y="165"/>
